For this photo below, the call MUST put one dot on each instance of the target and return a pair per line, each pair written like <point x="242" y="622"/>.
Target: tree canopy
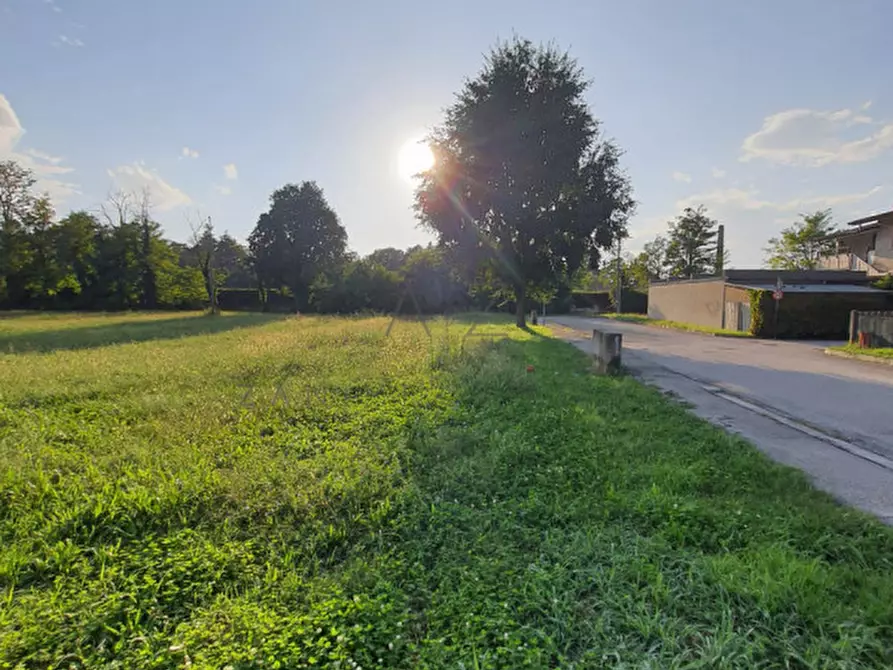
<point x="803" y="244"/>
<point x="299" y="237"/>
<point x="523" y="184"/>
<point x="691" y="244"/>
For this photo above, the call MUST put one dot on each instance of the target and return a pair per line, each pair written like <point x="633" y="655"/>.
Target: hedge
<point x="633" y="302"/>
<point x="810" y="315"/>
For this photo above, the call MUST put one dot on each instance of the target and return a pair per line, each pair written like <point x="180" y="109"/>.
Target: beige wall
<point x="883" y="247"/>
<point x="698" y="302"/>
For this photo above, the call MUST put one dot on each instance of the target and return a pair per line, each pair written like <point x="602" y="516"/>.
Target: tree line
<point x="117" y="258"/>
<point x="526" y="198"/>
<point x="525" y="192"/>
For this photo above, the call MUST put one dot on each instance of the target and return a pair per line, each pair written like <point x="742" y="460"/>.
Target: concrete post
<point x="854" y="325"/>
<point x="606" y="350"/>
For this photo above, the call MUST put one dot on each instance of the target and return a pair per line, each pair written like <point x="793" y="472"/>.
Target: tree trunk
<point x="520" y="316"/>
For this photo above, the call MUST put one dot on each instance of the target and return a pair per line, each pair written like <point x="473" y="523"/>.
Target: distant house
<point x="814" y="303"/>
<point x="865" y="245"/>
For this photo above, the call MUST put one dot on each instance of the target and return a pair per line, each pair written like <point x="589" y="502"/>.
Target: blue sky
<point x="760" y="110"/>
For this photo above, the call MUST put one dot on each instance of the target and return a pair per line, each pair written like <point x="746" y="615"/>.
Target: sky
<point x="759" y="110"/>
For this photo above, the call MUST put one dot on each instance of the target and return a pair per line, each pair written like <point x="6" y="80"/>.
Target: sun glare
<point x="415" y="157"/>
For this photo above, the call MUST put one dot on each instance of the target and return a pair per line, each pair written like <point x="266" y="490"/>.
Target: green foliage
<point x="761" y="304"/>
<point x="810" y="315"/>
<point x="691" y="244"/>
<point x="360" y="286"/>
<point x="885" y="353"/>
<point x="523" y="185"/>
<point x="297" y="240"/>
<point x="885" y="283"/>
<point x="675" y="325"/>
<point x="388" y="257"/>
<point x="79" y="263"/>
<point x="802" y="245"/>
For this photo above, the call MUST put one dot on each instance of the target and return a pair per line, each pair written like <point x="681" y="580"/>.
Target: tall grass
<point x="306" y="492"/>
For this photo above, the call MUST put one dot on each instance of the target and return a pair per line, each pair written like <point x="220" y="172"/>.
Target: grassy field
<point x="268" y="492"/>
<point x="674" y="325"/>
<point x="880" y="352"/>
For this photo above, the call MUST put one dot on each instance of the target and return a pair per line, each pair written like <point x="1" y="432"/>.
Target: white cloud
<point x="717" y="173"/>
<point x="811" y="203"/>
<point x="56" y="8"/>
<point x="64" y="40"/>
<point x="136" y="178"/>
<point x="230" y="171"/>
<point x="814" y="138"/>
<point x="681" y="176"/>
<point x="46" y="168"/>
<point x="749" y="200"/>
<point x="188" y="153"/>
<point x="222" y="190"/>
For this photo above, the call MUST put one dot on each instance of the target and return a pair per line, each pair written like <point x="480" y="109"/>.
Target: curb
<point x="859" y="357"/>
<point x="678" y="330"/>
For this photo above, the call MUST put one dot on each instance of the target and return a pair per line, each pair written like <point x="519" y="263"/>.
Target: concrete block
<point x="606" y="350"/>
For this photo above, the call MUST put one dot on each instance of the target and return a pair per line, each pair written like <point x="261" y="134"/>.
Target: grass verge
<point x="674" y="325"/>
<point x="885" y="353"/>
<point x="308" y="493"/>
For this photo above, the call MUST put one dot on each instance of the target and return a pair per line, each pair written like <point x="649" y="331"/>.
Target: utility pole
<point x="720" y="250"/>
<point x="619" y="299"/>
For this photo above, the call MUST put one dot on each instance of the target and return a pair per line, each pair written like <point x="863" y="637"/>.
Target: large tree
<point x="16" y="205"/>
<point x="299" y="238"/>
<point x="803" y="244"/>
<point x="691" y="244"/>
<point x="523" y="186"/>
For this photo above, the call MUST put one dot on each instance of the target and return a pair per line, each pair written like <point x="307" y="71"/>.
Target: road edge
<point x="859" y="357"/>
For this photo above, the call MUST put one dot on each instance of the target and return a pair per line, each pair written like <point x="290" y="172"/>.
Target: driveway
<point x="814" y="401"/>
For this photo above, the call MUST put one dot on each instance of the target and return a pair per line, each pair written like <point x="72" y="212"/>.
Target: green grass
<point x="675" y="325"/>
<point x="305" y="492"/>
<point x="880" y="352"/>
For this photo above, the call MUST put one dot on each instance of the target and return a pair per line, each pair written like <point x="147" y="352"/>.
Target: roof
<point x="765" y="276"/>
<point x="813" y="288"/>
<point x="874" y="218"/>
<point x="868" y="227"/>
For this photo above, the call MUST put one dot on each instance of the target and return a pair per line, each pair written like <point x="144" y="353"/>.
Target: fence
<point x="871" y="329"/>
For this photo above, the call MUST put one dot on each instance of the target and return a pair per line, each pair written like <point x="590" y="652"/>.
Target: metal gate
<point x="738" y="316"/>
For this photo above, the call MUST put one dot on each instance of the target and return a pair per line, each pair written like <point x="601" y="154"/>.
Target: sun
<point x="415" y="156"/>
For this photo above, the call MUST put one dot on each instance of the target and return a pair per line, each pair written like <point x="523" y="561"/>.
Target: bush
<point x="885" y="283"/>
<point x="633" y="302"/>
<point x="249" y="300"/>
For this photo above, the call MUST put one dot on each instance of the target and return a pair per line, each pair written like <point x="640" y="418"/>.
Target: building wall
<point x="883" y="248"/>
<point x="860" y="243"/>
<point x="699" y="301"/>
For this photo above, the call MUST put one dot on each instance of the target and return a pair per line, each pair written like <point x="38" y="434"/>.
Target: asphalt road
<point x="806" y="394"/>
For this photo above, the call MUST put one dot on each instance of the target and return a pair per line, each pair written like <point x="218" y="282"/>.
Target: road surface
<point x="829" y="416"/>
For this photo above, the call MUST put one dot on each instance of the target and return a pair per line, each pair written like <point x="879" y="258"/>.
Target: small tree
<point x="523" y="187"/>
<point x="803" y="244"/>
<point x="203" y="250"/>
<point x="691" y="246"/>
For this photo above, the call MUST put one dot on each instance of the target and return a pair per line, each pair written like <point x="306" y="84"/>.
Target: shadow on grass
<point x="89" y="337"/>
<point x="18" y="313"/>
